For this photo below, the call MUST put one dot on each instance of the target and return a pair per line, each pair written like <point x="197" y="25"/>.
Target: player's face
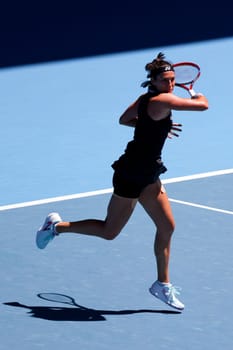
<point x="165" y="82"/>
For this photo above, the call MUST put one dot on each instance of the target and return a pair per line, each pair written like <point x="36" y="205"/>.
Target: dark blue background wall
<point x="32" y="33"/>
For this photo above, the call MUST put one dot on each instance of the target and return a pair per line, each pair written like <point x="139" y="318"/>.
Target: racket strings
<point x="186" y="74"/>
<point x="60" y="298"/>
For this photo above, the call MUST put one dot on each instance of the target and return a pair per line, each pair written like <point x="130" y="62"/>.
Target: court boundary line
<point x="196" y="205"/>
<point x="109" y="190"/>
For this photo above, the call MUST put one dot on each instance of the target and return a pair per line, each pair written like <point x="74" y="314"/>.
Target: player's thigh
<point x="119" y="211"/>
<point x="155" y="202"/>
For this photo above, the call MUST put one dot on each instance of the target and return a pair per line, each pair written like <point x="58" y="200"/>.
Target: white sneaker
<point x="46" y="233"/>
<point x="166" y="293"/>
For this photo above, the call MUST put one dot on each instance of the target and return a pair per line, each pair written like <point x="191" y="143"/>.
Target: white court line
<point x="109" y="190"/>
<point x="198" y="176"/>
<point x="201" y="206"/>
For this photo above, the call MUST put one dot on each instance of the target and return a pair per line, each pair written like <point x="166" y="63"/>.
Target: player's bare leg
<point x="118" y="214"/>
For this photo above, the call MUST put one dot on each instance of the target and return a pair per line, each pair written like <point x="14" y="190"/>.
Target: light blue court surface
<point x="60" y="132"/>
<point x="59" y="135"/>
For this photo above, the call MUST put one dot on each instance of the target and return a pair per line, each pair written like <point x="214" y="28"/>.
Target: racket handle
<point x="192" y="93"/>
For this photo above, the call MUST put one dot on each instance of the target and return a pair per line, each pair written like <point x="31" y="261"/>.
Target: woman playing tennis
<point x="136" y="175"/>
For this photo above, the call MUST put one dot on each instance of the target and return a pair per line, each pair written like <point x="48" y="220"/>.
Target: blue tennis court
<point x="56" y="152"/>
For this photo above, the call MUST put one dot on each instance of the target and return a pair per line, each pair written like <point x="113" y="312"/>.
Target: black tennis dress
<point x="141" y="162"/>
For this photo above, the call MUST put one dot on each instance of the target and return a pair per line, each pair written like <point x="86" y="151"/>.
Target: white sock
<point x="163" y="284"/>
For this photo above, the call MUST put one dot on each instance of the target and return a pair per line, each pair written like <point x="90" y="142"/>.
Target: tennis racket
<point x="60" y="298"/>
<point x="186" y="74"/>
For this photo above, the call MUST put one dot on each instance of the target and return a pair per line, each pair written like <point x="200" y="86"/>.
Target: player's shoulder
<point x="163" y="97"/>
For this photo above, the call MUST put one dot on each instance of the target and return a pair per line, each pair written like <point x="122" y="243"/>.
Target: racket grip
<point x="192" y="93"/>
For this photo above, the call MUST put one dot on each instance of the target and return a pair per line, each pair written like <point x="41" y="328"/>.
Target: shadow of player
<point x="80" y="313"/>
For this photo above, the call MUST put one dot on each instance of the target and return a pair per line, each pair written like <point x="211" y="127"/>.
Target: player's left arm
<point x="176" y="127"/>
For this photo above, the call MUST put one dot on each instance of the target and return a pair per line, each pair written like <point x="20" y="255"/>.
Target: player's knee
<point x="171" y="227"/>
<point x="167" y="230"/>
<point x="110" y="235"/>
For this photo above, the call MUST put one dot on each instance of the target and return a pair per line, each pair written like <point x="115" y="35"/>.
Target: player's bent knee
<point x="166" y="231"/>
<point x="111" y="235"/>
<point x="172" y="227"/>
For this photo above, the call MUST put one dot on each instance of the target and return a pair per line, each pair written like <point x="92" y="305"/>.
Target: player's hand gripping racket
<point x="186" y="74"/>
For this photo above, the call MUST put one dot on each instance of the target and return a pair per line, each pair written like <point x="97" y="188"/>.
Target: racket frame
<point x="57" y="298"/>
<point x="60" y="298"/>
<point x="188" y="86"/>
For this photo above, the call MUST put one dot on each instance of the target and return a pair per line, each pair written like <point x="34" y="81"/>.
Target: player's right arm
<point x="130" y="115"/>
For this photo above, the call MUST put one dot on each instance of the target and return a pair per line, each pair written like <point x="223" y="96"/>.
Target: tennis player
<point x="136" y="175"/>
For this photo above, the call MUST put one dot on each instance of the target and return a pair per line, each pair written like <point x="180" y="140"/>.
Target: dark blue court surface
<point x="109" y="280"/>
<point x="57" y="142"/>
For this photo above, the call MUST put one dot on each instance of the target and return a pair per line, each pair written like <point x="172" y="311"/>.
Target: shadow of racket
<point x="87" y="313"/>
<point x="61" y="298"/>
<point x="93" y="314"/>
